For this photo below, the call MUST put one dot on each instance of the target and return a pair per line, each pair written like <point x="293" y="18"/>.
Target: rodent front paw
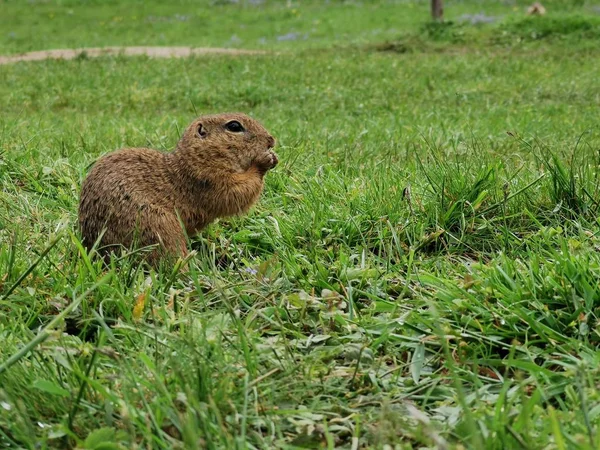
<point x="274" y="158"/>
<point x="267" y="160"/>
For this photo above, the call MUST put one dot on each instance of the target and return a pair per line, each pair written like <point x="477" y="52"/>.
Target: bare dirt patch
<point x="153" y="52"/>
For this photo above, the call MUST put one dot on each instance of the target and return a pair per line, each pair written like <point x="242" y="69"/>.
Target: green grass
<point x="264" y="24"/>
<point x="421" y="271"/>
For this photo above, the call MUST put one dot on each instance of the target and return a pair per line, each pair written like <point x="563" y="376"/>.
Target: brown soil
<point x="154" y="52"/>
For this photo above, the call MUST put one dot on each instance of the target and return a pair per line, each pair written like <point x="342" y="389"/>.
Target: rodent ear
<point x="202" y="131"/>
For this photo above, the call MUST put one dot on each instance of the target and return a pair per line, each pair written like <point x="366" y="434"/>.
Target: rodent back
<point x="133" y="175"/>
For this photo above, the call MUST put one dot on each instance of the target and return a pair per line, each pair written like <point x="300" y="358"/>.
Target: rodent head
<point x="227" y="142"/>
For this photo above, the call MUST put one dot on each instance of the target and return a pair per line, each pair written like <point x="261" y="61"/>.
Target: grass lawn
<point x="422" y="270"/>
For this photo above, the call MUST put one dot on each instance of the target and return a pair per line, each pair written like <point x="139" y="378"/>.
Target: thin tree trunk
<point x="437" y="9"/>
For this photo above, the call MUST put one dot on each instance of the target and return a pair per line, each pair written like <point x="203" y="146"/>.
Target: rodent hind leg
<point x="163" y="231"/>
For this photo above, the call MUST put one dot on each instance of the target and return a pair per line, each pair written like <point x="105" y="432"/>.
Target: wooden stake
<point x="437" y="10"/>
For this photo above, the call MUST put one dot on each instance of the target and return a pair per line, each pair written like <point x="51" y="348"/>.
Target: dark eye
<point x="234" y="126"/>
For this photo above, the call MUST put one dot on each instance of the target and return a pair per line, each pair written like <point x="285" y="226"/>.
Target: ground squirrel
<point x="143" y="196"/>
<point x="537" y="9"/>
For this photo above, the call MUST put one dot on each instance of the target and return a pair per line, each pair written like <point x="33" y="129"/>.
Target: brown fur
<point x="537" y="9"/>
<point x="140" y="195"/>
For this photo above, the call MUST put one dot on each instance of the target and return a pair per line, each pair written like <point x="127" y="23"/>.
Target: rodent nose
<point x="271" y="142"/>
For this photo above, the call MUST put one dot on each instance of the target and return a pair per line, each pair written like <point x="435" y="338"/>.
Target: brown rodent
<point x="142" y="196"/>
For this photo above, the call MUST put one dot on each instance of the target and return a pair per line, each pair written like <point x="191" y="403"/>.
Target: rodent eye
<point x="234" y="126"/>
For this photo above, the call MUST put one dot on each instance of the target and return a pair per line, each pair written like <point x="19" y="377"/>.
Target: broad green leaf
<point x="50" y="388"/>
<point x="416" y="364"/>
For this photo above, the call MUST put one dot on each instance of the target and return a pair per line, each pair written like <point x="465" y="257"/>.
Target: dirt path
<point x="154" y="52"/>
